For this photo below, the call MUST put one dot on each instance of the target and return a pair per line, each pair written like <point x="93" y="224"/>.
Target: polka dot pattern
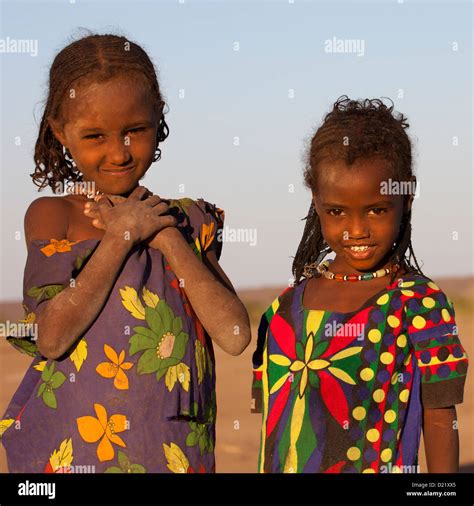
<point x="408" y="330"/>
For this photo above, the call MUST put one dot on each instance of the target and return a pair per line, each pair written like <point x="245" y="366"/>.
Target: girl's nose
<point x="119" y="153"/>
<point x="358" y="229"/>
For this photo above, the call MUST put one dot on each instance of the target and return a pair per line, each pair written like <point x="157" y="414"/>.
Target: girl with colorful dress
<point x="123" y="298"/>
<point x="363" y="351"/>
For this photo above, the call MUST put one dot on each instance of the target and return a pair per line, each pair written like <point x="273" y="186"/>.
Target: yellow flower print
<point x="92" y="429"/>
<point x="178" y="372"/>
<point x="4" y="424"/>
<point x="30" y="316"/>
<point x="56" y="246"/>
<point x="61" y="460"/>
<point x="177" y="460"/>
<point x="79" y="354"/>
<point x="315" y="365"/>
<point x="115" y="368"/>
<point x="134" y="305"/>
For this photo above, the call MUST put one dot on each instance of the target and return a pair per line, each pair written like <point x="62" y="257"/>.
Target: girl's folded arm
<point x="64" y="318"/>
<point x="440" y="434"/>
<point x="210" y="292"/>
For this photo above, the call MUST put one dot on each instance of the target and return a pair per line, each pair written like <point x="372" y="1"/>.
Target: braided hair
<point x="94" y="58"/>
<point x="371" y="130"/>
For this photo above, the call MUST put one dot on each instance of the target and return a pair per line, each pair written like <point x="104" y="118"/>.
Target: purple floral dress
<point x="136" y="393"/>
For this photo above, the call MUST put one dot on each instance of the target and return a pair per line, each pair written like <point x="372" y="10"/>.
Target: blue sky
<point x="409" y="56"/>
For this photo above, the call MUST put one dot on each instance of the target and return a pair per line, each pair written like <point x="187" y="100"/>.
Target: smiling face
<point x="110" y="130"/>
<point x="353" y="211"/>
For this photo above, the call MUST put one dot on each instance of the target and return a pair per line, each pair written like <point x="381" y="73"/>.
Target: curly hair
<point x="94" y="58"/>
<point x="353" y="130"/>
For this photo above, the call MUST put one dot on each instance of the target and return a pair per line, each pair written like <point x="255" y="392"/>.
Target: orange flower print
<point x="115" y="368"/>
<point x="92" y="429"/>
<point x="207" y="235"/>
<point x="56" y="246"/>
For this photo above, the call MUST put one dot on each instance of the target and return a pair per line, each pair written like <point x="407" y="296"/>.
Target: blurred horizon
<point x="247" y="83"/>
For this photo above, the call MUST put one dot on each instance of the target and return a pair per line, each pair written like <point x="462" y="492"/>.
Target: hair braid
<point x="352" y="130"/>
<point x="94" y="58"/>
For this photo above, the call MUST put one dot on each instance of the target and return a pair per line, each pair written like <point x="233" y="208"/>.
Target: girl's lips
<point x="361" y="254"/>
<point x="118" y="172"/>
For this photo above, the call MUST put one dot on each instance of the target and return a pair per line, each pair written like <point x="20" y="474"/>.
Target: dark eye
<point x="93" y="136"/>
<point x="137" y="130"/>
<point x="379" y="210"/>
<point x="335" y="212"/>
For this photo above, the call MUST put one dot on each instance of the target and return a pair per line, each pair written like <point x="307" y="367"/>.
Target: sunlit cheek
<point x="142" y="146"/>
<point x="88" y="157"/>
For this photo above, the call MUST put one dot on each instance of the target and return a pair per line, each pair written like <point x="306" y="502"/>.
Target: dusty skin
<point x="238" y="431"/>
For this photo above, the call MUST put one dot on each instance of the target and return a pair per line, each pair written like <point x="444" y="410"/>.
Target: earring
<point x="310" y="270"/>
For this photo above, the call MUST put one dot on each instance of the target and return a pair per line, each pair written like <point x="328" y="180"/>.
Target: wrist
<point x="119" y="242"/>
<point x="165" y="237"/>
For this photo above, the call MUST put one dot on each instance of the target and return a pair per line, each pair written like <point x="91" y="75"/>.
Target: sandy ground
<point x="238" y="429"/>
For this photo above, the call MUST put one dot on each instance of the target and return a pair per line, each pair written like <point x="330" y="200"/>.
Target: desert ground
<point x="238" y="429"/>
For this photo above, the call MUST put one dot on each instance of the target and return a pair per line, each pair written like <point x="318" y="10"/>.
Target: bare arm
<point x="441" y="438"/>
<point x="209" y="291"/>
<point x="64" y="318"/>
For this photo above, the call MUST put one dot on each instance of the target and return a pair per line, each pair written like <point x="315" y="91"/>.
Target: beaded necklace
<point x="323" y="270"/>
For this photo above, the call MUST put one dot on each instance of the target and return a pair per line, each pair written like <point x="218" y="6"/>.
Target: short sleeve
<point x="258" y="362"/>
<point x="50" y="266"/>
<point x="440" y="356"/>
<point x="201" y="222"/>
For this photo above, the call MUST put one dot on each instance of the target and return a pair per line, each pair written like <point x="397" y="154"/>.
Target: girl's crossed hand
<point x="141" y="219"/>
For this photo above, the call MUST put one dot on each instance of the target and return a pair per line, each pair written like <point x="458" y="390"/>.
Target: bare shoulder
<point x="47" y="218"/>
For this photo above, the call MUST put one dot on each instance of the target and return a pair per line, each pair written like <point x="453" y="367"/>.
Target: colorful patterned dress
<point x="344" y="392"/>
<point x="136" y="393"/>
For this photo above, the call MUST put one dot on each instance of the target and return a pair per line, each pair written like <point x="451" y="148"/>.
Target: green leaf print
<point x="313" y="379"/>
<point x="161" y="372"/>
<point x="80" y="260"/>
<point x="41" y="389"/>
<point x="113" y="469"/>
<point x="124" y="461"/>
<point x="199" y="435"/>
<point x="166" y="314"/>
<point x="201" y="360"/>
<point x="154" y="319"/>
<point x="299" y="350"/>
<point x="149" y="362"/>
<point x="125" y="466"/>
<point x="57" y="379"/>
<point x="48" y="372"/>
<point x="52" y="380"/>
<point x="25" y="345"/>
<point x="192" y="439"/>
<point x="144" y="339"/>
<point x="50" y="399"/>
<point x="44" y="292"/>
<point x="182" y="204"/>
<point x="137" y="468"/>
<point x="320" y="348"/>
<point x="163" y="342"/>
<point x="180" y="345"/>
